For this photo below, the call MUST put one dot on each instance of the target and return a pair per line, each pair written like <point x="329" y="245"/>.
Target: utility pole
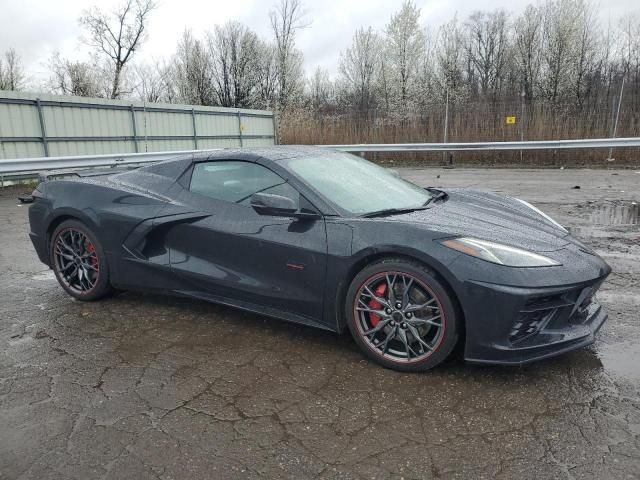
<point x="522" y="94"/>
<point x="446" y="124"/>
<point x="615" y="123"/>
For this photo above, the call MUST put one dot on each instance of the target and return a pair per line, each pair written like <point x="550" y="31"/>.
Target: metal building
<point x="40" y="125"/>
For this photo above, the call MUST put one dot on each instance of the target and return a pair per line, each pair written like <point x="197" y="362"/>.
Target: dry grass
<point x="477" y="122"/>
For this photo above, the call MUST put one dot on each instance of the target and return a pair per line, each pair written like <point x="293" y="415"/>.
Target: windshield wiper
<point x="391" y="211"/>
<point x="437" y="195"/>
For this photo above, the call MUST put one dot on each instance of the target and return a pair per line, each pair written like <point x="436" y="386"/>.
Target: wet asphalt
<point x="141" y="386"/>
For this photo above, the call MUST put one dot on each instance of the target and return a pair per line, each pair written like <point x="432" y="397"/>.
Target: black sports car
<point x="328" y="239"/>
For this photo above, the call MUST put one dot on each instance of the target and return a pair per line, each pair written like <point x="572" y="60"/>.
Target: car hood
<point x="489" y="216"/>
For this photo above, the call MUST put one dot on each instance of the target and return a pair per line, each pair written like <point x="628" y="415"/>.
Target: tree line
<point x="558" y="57"/>
<point x="230" y="66"/>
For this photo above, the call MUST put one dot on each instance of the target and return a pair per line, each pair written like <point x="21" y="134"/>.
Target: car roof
<point x="175" y="167"/>
<point x="274" y="153"/>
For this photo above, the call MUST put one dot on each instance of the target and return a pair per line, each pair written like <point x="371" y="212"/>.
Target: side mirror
<point x="269" y="204"/>
<point x="278" y="206"/>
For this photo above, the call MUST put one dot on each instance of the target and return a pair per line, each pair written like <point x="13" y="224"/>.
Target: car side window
<point x="236" y="181"/>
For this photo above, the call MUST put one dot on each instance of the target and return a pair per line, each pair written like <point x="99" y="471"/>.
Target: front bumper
<point x="529" y="324"/>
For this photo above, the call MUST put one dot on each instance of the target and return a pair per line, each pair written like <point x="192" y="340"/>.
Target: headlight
<point x="497" y="253"/>
<point x="542" y="214"/>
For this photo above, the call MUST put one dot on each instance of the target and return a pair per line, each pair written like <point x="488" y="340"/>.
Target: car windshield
<point x="357" y="185"/>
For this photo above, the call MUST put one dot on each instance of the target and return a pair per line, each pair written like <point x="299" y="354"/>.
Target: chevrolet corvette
<point x="330" y="240"/>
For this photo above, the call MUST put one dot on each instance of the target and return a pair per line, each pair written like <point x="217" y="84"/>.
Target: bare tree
<point x="528" y="48"/>
<point x="384" y="85"/>
<point x="152" y="83"/>
<point x="629" y="47"/>
<point x="11" y="71"/>
<point x="426" y="79"/>
<point x="450" y="62"/>
<point x="73" y="78"/>
<point x="286" y="20"/>
<point x="118" y="35"/>
<point x="608" y="60"/>
<point x="588" y="53"/>
<point x="321" y="91"/>
<point x="166" y="70"/>
<point x="234" y="51"/>
<point x="559" y="35"/>
<point x="486" y="47"/>
<point x="405" y="49"/>
<point x="193" y="73"/>
<point x="266" y="74"/>
<point x="359" y="64"/>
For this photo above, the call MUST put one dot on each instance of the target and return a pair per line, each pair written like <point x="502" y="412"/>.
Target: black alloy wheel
<point x="401" y="315"/>
<point x="78" y="261"/>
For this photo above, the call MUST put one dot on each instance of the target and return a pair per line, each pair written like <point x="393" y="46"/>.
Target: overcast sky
<point x="37" y="28"/>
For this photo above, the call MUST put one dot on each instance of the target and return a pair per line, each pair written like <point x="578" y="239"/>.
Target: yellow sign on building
<point x="510" y="120"/>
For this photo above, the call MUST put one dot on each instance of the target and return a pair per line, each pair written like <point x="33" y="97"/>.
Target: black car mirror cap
<point x="280" y="206"/>
<point x="271" y="204"/>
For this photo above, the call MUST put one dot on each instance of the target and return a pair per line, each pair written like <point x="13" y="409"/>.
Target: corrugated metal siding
<point x="166" y="145"/>
<point x="257" y="126"/>
<point x="19" y="121"/>
<point x="86" y="126"/>
<point x="163" y="123"/>
<point x="252" y="142"/>
<point x="21" y="150"/>
<point x="213" y="123"/>
<point x="224" y="143"/>
<point x="62" y="149"/>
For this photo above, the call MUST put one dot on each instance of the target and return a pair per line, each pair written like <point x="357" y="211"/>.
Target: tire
<point x="387" y="331"/>
<point x="75" y="248"/>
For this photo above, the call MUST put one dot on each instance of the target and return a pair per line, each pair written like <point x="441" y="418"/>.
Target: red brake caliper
<point x="375" y="305"/>
<point x="93" y="259"/>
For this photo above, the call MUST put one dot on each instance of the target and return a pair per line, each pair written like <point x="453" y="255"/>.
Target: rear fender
<point x="110" y="213"/>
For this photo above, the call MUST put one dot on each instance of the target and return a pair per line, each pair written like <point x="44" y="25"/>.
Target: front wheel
<point x="401" y="315"/>
<point x="79" y="262"/>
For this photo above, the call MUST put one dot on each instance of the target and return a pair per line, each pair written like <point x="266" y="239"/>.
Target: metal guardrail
<point x="33" y="165"/>
<point x="489" y="146"/>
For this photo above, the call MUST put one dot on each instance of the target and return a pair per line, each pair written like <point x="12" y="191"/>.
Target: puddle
<point x="621" y="360"/>
<point x="616" y="214"/>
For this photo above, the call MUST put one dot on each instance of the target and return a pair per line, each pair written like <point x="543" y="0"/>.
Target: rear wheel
<point x="79" y="262"/>
<point x="401" y="315"/>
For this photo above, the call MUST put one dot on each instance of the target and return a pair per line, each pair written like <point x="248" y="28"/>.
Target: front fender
<point x="437" y="259"/>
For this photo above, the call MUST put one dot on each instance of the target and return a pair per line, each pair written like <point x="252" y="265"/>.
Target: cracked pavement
<point x="149" y="387"/>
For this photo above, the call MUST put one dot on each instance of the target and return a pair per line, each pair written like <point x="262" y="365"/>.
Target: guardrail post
<point x="240" y="128"/>
<point x="43" y="129"/>
<point x="275" y="128"/>
<point x="195" y="133"/>
<point x="135" y="130"/>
